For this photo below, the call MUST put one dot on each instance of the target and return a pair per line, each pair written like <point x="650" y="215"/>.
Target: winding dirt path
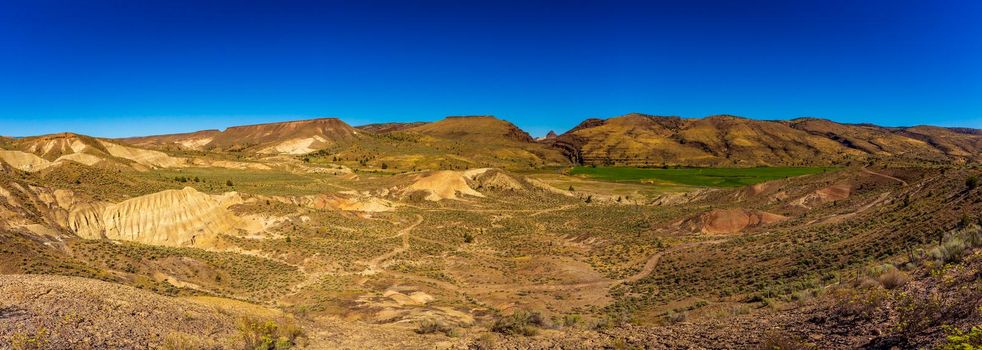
<point x="534" y="212"/>
<point x="649" y="267"/>
<point x="866" y="170"/>
<point x="373" y="265"/>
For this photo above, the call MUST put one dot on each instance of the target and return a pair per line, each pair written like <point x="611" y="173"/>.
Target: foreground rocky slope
<point x="57" y="312"/>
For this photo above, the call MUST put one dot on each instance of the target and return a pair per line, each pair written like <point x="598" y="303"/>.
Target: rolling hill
<point x="645" y="140"/>
<point x="293" y="137"/>
<point x="41" y="152"/>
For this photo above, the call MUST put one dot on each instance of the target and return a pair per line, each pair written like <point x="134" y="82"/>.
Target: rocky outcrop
<point x="440" y="185"/>
<point x="449" y="184"/>
<point x="23" y="161"/>
<point x="72" y="313"/>
<point x="172" y="218"/>
<point x="35" y="208"/>
<point x="731" y="221"/>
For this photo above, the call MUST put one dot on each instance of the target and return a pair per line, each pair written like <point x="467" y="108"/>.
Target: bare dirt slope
<point x="69" y="312"/>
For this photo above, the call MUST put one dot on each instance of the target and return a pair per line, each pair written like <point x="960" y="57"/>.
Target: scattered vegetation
<point x="702" y="177"/>
<point x="259" y="334"/>
<point x="963" y="340"/>
<point x="521" y="322"/>
<point x="431" y="326"/>
<point x="35" y="339"/>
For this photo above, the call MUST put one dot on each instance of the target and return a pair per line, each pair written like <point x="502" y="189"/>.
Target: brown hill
<point x="192" y="140"/>
<point x="549" y="136"/>
<point x="638" y="139"/>
<point x="453" y="143"/>
<point x="474" y="127"/>
<point x="293" y="137"/>
<point x="40" y="152"/>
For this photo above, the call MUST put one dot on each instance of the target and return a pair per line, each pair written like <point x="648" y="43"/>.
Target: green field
<point x="701" y="177"/>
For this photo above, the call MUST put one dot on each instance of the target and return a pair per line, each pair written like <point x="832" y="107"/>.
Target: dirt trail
<point x="652" y="262"/>
<point x="866" y="170"/>
<point x="373" y="265"/>
<point x="649" y="267"/>
<point x="534" y="212"/>
<point x="842" y="217"/>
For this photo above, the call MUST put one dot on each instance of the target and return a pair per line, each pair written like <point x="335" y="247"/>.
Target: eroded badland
<point x="468" y="233"/>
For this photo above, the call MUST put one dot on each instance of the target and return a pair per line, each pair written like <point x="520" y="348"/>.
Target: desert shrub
<point x="894" y="279"/>
<point x="571" y="320"/>
<point x="963" y="340"/>
<point x="258" y="334"/>
<point x="673" y="317"/>
<point x="804" y="294"/>
<point x="184" y="341"/>
<point x="519" y="323"/>
<point x="38" y="339"/>
<point x="613" y="319"/>
<point x="433" y="326"/>
<point x="972" y="182"/>
<point x="857" y="303"/>
<point x="948" y="252"/>
<point x="924" y="310"/>
<point x="740" y="309"/>
<point x="956" y="245"/>
<point x="781" y="341"/>
<point x="622" y="344"/>
<point x="484" y="342"/>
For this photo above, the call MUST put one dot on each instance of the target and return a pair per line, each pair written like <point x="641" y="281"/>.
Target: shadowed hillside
<point x="638" y="139"/>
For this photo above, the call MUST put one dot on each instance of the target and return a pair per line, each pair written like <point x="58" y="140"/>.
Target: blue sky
<point x="121" y="68"/>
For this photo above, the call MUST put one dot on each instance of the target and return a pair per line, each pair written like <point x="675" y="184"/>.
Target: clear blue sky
<point x="126" y="67"/>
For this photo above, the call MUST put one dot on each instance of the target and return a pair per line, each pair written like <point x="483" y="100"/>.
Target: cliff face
<point x="170" y="218"/>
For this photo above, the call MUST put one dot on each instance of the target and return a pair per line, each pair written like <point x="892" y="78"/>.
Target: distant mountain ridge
<point x="724" y="140"/>
<point x="632" y="140"/>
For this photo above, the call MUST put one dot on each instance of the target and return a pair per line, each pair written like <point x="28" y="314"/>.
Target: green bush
<point x="963" y="340"/>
